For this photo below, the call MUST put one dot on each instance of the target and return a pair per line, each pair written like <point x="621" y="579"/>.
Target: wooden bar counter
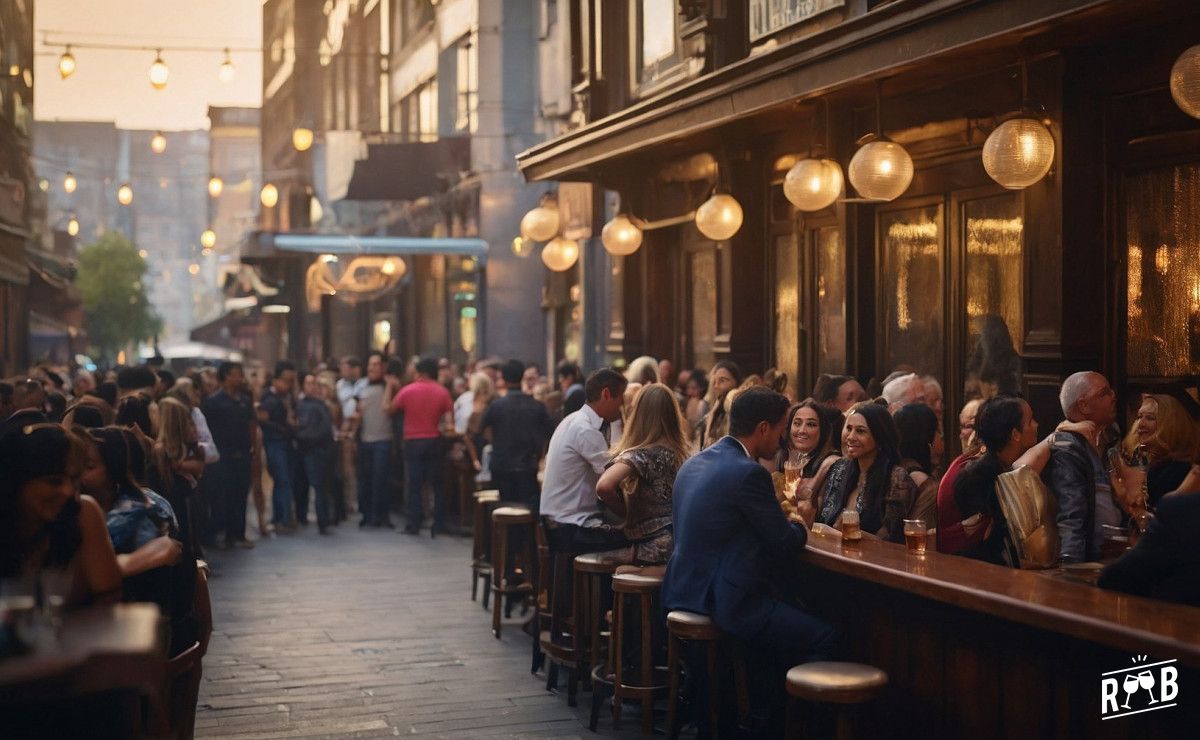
<point x="978" y="651"/>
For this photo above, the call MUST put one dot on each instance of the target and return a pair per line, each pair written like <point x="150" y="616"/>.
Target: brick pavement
<point x="368" y="634"/>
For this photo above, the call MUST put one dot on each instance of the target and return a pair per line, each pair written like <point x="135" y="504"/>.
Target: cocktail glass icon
<point x="1146" y="679"/>
<point x="1131" y="685"/>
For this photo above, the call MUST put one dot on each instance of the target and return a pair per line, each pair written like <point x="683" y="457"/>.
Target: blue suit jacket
<point x="730" y="535"/>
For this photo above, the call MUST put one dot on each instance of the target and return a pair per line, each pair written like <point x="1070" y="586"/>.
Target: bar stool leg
<point x="499" y="573"/>
<point x="714" y="693"/>
<point x="647" y="666"/>
<point x="673" y="645"/>
<point x="616" y="641"/>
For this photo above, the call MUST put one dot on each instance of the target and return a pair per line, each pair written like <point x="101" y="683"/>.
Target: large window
<point x="1162" y="232"/>
<point x="418" y="112"/>
<point x="831" y="299"/>
<point x="911" y="282"/>
<point x="466" y="116"/>
<point x="655" y="47"/>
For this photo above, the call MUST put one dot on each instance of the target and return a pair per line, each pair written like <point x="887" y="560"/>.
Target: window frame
<point x="647" y="79"/>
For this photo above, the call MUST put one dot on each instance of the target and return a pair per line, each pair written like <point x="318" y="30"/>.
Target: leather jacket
<point x="1070" y="477"/>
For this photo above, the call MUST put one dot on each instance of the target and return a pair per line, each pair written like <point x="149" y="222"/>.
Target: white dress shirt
<point x="204" y="437"/>
<point x="348" y="393"/>
<point x="574" y="462"/>
<point x="463" y="406"/>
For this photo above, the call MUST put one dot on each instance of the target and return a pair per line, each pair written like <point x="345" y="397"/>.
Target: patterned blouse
<point x="648" y="503"/>
<point x="878" y="510"/>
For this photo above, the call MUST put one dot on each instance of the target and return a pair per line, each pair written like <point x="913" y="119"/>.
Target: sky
<point x="113" y="85"/>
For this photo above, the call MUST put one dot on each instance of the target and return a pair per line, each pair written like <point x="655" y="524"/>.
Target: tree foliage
<point x="116" y="309"/>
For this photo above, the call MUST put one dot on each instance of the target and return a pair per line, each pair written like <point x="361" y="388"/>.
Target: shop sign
<point x="769" y="16"/>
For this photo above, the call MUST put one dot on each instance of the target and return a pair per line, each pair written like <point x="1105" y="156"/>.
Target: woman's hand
<point x="1129" y="486"/>
<point x="1088" y="429"/>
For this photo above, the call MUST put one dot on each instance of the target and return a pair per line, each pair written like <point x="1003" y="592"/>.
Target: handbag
<point x="1031" y="512"/>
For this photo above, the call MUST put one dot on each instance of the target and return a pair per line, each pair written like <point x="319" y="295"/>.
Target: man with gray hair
<point x="901" y="391"/>
<point x="1076" y="473"/>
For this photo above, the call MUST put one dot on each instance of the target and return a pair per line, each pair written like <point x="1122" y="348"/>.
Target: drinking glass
<point x="18" y="599"/>
<point x="916" y="535"/>
<point x="56" y="588"/>
<point x="793" y="471"/>
<point x="851" y="531"/>
<point x="1131" y="687"/>
<point x="1146" y="679"/>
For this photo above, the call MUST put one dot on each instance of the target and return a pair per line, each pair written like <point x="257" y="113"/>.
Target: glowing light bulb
<point x="719" y="217"/>
<point x="158" y="142"/>
<point x="73" y="226"/>
<point x="208" y="238"/>
<point x="159" y="72"/>
<point x="194" y="269"/>
<point x="66" y="64"/>
<point x="125" y="194"/>
<point x="215" y="186"/>
<point x="269" y="195"/>
<point x="302" y="138"/>
<point x="70" y="183"/>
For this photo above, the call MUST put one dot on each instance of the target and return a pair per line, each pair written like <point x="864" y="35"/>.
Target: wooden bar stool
<point x="684" y="626"/>
<point x="503" y="519"/>
<point x="560" y="640"/>
<point x="593" y="593"/>
<point x="840" y="684"/>
<point x="644" y="588"/>
<point x="481" y="560"/>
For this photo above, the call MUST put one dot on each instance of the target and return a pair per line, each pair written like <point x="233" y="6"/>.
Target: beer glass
<point x="916" y="535"/>
<point x="793" y="471"/>
<point x="850" y="526"/>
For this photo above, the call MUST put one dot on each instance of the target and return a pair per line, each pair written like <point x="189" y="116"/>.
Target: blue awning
<point x="398" y="245"/>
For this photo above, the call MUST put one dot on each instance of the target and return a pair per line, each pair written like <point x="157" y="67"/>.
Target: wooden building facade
<point x="1095" y="266"/>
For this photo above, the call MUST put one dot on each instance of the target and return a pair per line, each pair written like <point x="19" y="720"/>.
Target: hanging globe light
<point x="66" y="64"/>
<point x="1019" y="152"/>
<point x="158" y="142"/>
<point x="70" y="183"/>
<point x="393" y="267"/>
<point x="813" y="184"/>
<point x="522" y="247"/>
<point x="194" y="269"/>
<point x="215" y="186"/>
<point x="73" y="225"/>
<point x="540" y="224"/>
<point x="208" y="238"/>
<point x="620" y="236"/>
<point x="159" y="72"/>
<point x="719" y="217"/>
<point x="125" y="194"/>
<point x="881" y="170"/>
<point x="1185" y="81"/>
<point x="560" y="254"/>
<point x="269" y="195"/>
<point x="226" y="72"/>
<point x="302" y="138"/>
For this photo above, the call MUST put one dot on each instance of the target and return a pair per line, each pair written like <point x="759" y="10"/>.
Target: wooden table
<point x="980" y="651"/>
<point x="117" y="648"/>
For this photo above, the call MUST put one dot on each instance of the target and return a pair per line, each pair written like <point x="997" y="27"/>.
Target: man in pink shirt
<point x="424" y="403"/>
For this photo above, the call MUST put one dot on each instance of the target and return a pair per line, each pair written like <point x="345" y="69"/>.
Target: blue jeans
<point x="374" y="501"/>
<point x="279" y="465"/>
<point x="423" y="463"/>
<point x="318" y="461"/>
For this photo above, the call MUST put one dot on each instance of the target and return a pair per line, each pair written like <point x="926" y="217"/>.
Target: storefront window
<point x="831" y="300"/>
<point x="912" y="288"/>
<point x="787" y="306"/>
<point x="702" y="281"/>
<point x="1162" y="230"/>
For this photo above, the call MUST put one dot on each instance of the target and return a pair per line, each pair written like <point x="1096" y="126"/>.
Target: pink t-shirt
<point x="423" y="402"/>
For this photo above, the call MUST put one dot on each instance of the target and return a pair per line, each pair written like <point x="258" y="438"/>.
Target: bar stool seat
<point x="684" y="626"/>
<point x="842" y="684"/>
<point x="481" y="562"/>
<point x="692" y="626"/>
<point x="503" y="519"/>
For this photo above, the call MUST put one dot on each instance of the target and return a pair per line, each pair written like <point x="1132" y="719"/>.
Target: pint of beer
<point x="916" y="535"/>
<point x="851" y="532"/>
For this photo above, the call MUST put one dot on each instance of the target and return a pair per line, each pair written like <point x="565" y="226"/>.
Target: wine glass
<point x="1130" y="685"/>
<point x="1146" y="679"/>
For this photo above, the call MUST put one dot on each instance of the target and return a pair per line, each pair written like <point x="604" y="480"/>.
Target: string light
<point x="70" y="183"/>
<point x="73" y="225"/>
<point x="66" y="63"/>
<point x="208" y="238"/>
<point x="226" y="73"/>
<point x="125" y="194"/>
<point x="194" y="269"/>
<point x="719" y="217"/>
<point x="215" y="186"/>
<point x="269" y="195"/>
<point x="158" y="142"/>
<point x="302" y="138"/>
<point x="158" y="71"/>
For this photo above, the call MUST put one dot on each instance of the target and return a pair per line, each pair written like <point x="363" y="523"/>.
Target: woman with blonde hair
<point x="643" y="370"/>
<point x="637" y="484"/>
<point x="483" y="392"/>
<point x="1163" y="440"/>
<point x="177" y="464"/>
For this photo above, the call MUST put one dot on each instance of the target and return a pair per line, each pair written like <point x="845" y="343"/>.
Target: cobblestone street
<point x="367" y="634"/>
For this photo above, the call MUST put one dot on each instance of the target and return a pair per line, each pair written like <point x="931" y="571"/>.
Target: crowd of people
<point x="714" y="476"/>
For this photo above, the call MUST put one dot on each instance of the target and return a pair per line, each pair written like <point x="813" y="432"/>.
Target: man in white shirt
<point x="577" y="456"/>
<point x="349" y="386"/>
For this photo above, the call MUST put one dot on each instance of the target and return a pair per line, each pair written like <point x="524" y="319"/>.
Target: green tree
<point x="116" y="310"/>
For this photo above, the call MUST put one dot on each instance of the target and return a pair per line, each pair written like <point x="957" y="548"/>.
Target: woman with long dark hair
<point x="724" y="377"/>
<point x="920" y="445"/>
<point x="44" y="522"/>
<point x="810" y="445"/>
<point x="1006" y="428"/>
<point x="869" y="478"/>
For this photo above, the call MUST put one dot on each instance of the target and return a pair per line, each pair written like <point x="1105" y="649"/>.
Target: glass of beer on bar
<point x="916" y="535"/>
<point x="851" y="532"/>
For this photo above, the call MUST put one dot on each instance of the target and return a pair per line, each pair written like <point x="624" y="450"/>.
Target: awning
<point x="266" y="244"/>
<point x="409" y="171"/>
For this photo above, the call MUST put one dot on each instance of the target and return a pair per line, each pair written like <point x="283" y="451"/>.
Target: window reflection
<point x="787" y="306"/>
<point x="703" y="282"/>
<point x="912" y="288"/>
<point x="1162" y="230"/>
<point x="831" y="300"/>
<point x="994" y="239"/>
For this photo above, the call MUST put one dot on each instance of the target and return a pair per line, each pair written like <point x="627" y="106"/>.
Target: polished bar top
<point x="1048" y="600"/>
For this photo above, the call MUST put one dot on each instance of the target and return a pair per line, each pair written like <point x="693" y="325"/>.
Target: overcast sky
<point x="114" y="86"/>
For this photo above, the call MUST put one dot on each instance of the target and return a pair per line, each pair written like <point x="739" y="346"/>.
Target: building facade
<point x="17" y="182"/>
<point x="1087" y="268"/>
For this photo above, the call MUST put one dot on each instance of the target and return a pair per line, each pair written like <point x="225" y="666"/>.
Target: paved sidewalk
<point x="368" y="634"/>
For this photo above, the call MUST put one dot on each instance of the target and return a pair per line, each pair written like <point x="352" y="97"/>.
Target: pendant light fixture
<point x="719" y="217"/>
<point x="269" y="195"/>
<point x="73" y="225"/>
<point x="216" y="186"/>
<point x="70" y="183"/>
<point x="541" y="223"/>
<point x="158" y="142"/>
<point x="814" y="184"/>
<point x="66" y="63"/>
<point x="125" y="194"/>
<point x="1021" y="149"/>
<point x="621" y="236"/>
<point x="1185" y="81"/>
<point x="881" y="170"/>
<point x="302" y="138"/>
<point x="208" y="238"/>
<point x="560" y="254"/>
<point x="159" y="71"/>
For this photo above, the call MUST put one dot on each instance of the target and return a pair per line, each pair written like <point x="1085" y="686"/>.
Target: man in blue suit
<point x="735" y="550"/>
